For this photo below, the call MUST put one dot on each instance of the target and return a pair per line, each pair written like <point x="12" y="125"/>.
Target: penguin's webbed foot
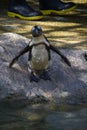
<point x="33" y="78"/>
<point x="45" y="76"/>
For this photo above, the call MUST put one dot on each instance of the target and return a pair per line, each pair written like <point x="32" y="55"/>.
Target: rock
<point x="1" y="49"/>
<point x="67" y="86"/>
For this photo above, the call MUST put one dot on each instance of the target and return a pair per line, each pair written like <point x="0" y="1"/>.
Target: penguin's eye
<point x="36" y="28"/>
<point x="39" y="27"/>
<point x="33" y="28"/>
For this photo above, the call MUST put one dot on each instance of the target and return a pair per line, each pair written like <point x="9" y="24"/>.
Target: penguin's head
<point x="36" y="31"/>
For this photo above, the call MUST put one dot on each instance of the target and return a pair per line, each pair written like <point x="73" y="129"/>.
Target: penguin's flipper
<point x="13" y="61"/>
<point x="85" y="56"/>
<point x="59" y="53"/>
<point x="26" y="49"/>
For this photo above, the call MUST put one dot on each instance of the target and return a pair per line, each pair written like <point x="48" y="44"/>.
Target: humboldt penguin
<point x="39" y="55"/>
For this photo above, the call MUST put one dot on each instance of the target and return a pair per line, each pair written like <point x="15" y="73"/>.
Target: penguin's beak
<point x="36" y="31"/>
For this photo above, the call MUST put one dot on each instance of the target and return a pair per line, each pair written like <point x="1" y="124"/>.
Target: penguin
<point x="39" y="55"/>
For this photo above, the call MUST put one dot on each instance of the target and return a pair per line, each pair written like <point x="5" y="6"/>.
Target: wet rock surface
<point x="67" y="86"/>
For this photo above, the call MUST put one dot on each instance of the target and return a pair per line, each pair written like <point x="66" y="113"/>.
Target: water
<point x="43" y="117"/>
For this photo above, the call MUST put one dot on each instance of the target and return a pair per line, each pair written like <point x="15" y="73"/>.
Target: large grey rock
<point x="67" y="85"/>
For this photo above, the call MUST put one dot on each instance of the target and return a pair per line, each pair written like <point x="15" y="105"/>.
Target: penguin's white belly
<point x="39" y="58"/>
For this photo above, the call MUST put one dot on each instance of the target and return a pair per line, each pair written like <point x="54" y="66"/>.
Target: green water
<point x="43" y="117"/>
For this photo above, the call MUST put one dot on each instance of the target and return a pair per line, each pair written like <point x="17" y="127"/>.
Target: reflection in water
<point x="43" y="117"/>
